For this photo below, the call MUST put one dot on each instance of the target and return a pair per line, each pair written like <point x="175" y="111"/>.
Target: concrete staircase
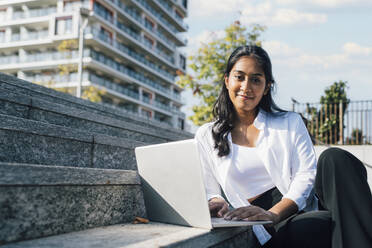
<point x="67" y="168"/>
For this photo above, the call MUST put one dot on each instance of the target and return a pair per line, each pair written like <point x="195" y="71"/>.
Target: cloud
<point x="303" y="75"/>
<point x="351" y="48"/>
<point x="279" y="49"/>
<point x="263" y="12"/>
<point x="194" y="42"/>
<point x="269" y="15"/>
<point x="210" y="8"/>
<point x="325" y="3"/>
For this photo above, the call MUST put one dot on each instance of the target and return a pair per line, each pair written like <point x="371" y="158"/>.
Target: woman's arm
<point x="303" y="166"/>
<point x="217" y="204"/>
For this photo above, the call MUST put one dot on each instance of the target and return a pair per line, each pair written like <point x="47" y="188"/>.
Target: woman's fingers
<point x="214" y="208"/>
<point x="249" y="213"/>
<point x="223" y="211"/>
<point x="218" y="208"/>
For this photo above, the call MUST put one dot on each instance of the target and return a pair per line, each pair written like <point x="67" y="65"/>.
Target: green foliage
<point x="335" y="93"/>
<point x="325" y="122"/>
<point x="65" y="47"/>
<point x="93" y="94"/>
<point x="356" y="136"/>
<point x="208" y="64"/>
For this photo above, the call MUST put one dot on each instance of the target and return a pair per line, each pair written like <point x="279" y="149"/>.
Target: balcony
<point x="140" y="58"/>
<point x="33" y="13"/>
<point x="162" y="106"/>
<point x="170" y="12"/>
<point x="113" y="86"/>
<point x="73" y="6"/>
<point x="30" y="36"/>
<point x="136" y="16"/>
<point x="47" y="56"/>
<point x="12" y="59"/>
<point x="158" y="104"/>
<point x="156" y="14"/>
<point x="137" y="37"/>
<point x="131" y="73"/>
<point x="37" y="57"/>
<point x="103" y="12"/>
<point x="55" y="78"/>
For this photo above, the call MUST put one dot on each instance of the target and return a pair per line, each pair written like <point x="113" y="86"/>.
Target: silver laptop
<point x="173" y="186"/>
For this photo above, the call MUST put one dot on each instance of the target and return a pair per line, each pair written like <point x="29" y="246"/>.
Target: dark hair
<point x="223" y="109"/>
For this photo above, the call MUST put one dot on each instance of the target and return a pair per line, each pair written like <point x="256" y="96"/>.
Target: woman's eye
<point x="256" y="80"/>
<point x="239" y="77"/>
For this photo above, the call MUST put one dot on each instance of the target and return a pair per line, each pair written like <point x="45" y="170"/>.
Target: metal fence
<point x="342" y="123"/>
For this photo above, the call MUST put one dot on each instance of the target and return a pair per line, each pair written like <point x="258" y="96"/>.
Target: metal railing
<point x="139" y="57"/>
<point x="72" y="6"/>
<point x="34" y="13"/>
<point x="10" y="59"/>
<point x="170" y="11"/>
<point x="342" y="123"/>
<point x="136" y="16"/>
<point x="139" y="38"/>
<point x="159" y="16"/>
<point x="113" y="86"/>
<point x="125" y="70"/>
<point x="31" y="35"/>
<point x="49" y="80"/>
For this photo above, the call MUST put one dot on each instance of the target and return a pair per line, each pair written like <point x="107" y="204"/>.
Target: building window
<point x="184" y="3"/>
<point x="147" y="97"/>
<point x="2" y="14"/>
<point x="149" y="24"/>
<point x="63" y="25"/>
<point x="146" y="113"/>
<point x="182" y="62"/>
<point x="103" y="12"/>
<point x="149" y="42"/>
<point x="2" y="35"/>
<point x="179" y="15"/>
<point x="181" y="124"/>
<point x="106" y="35"/>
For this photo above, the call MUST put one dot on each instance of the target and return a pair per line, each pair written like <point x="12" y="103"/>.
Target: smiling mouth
<point x="245" y="96"/>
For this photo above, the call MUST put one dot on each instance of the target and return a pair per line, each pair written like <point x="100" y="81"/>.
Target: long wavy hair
<point x="223" y="109"/>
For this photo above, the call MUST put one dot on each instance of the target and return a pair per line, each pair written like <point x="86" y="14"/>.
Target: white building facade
<point x="130" y="50"/>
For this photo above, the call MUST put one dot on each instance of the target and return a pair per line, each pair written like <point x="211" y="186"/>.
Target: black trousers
<point x="344" y="219"/>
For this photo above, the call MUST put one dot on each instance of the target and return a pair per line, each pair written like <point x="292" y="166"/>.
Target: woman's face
<point x="246" y="85"/>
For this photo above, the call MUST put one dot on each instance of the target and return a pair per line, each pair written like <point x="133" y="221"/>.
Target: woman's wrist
<point x="283" y="209"/>
<point x="275" y="217"/>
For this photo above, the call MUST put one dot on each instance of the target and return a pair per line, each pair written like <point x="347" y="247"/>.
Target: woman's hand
<point x="218" y="207"/>
<point x="252" y="213"/>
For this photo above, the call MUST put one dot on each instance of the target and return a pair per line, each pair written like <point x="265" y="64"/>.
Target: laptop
<point x="173" y="187"/>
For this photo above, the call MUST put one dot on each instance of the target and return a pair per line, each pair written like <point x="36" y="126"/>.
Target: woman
<point x="263" y="159"/>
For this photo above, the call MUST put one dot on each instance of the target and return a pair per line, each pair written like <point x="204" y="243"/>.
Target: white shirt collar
<point x="259" y="123"/>
<point x="260" y="120"/>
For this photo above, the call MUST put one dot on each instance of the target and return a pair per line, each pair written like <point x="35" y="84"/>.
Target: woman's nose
<point x="245" y="86"/>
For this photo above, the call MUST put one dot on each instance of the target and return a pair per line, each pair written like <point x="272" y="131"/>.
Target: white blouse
<point x="287" y="153"/>
<point x="248" y="173"/>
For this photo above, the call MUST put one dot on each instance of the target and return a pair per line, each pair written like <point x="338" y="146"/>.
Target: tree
<point x="66" y="49"/>
<point x="356" y="137"/>
<point x="208" y="65"/>
<point x="325" y="122"/>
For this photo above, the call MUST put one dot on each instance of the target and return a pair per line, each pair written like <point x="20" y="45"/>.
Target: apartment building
<point x="128" y="49"/>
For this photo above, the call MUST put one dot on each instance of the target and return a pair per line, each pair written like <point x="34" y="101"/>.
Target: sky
<point x="311" y="43"/>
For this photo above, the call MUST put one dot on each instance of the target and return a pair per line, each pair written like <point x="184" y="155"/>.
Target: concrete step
<point x="34" y="142"/>
<point x="19" y="105"/>
<point x="146" y="236"/>
<point x="38" y="201"/>
<point x="25" y="88"/>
